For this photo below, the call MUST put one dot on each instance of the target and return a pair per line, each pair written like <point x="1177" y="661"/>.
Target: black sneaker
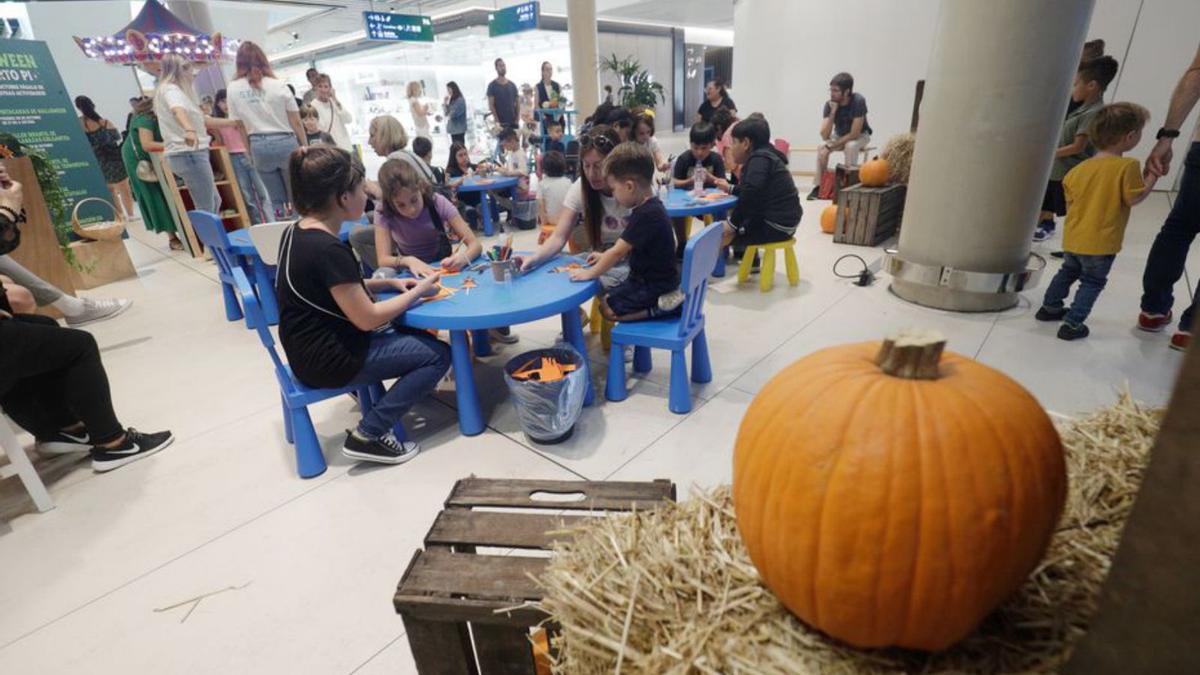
<point x="136" y="446"/>
<point x="814" y="195"/>
<point x="387" y="449"/>
<point x="64" y="442"/>
<point x="1050" y="313"/>
<point x="1069" y="331"/>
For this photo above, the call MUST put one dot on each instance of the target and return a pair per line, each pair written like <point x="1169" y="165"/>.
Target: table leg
<point x="719" y="268"/>
<point x="573" y="333"/>
<point x="470" y="417"/>
<point x="485" y="205"/>
<point x="266" y="292"/>
<point x="483" y="346"/>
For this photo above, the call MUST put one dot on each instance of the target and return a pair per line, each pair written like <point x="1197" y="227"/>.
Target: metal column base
<point x="944" y="287"/>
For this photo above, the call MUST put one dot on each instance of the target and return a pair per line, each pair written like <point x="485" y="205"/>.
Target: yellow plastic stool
<point x="708" y="220"/>
<point x="598" y="324"/>
<point x="766" y="275"/>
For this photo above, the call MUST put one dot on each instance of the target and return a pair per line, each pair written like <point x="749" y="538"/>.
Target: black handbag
<point x="10" y="234"/>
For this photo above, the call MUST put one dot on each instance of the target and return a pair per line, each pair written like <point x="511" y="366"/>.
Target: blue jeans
<point x="196" y="171"/>
<point x="271" y="153"/>
<point x="1164" y="266"/>
<point x="418" y="361"/>
<point x="1091" y="271"/>
<point x="254" y="193"/>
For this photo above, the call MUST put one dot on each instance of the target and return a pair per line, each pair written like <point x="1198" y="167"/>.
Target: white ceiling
<point x="333" y="19"/>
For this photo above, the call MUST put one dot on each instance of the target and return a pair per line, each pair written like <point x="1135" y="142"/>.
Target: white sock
<point x="69" y="305"/>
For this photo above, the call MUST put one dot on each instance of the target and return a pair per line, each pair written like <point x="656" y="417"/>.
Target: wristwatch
<point x="1164" y="132"/>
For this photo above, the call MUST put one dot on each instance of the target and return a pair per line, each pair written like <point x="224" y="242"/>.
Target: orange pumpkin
<point x="891" y="495"/>
<point x="875" y="173"/>
<point x="829" y="219"/>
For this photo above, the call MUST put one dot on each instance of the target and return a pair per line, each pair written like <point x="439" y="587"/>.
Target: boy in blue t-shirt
<point x="1092" y="78"/>
<point x="652" y="288"/>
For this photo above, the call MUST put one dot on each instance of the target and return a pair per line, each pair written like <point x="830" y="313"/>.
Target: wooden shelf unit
<point x="181" y="202"/>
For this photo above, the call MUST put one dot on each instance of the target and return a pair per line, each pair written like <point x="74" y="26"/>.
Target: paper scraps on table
<point x="443" y="293"/>
<point x="469" y="284"/>
<point x="568" y="267"/>
<point x="544" y="369"/>
<point x="451" y="274"/>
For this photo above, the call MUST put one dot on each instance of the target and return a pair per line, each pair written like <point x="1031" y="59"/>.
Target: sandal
<point x="175" y="244"/>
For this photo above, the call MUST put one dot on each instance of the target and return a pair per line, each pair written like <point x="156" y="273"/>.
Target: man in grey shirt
<point x="503" y="99"/>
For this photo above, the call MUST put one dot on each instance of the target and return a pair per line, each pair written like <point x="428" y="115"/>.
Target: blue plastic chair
<point x="674" y="333"/>
<point x="211" y="232"/>
<point x="296" y="397"/>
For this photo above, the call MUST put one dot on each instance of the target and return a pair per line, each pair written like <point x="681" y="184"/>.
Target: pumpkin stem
<point x="912" y="354"/>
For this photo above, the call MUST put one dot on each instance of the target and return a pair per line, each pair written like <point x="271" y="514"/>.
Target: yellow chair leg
<point x="594" y="318"/>
<point x="793" y="268"/>
<point x="747" y="263"/>
<point x="707" y="219"/>
<point x="598" y="324"/>
<point x="687" y="227"/>
<point x="766" y="275"/>
<point x="606" y="335"/>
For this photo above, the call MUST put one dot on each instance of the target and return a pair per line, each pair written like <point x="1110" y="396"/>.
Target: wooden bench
<point x="458" y="604"/>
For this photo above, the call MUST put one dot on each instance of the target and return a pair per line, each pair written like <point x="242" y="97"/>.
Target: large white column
<point x="995" y="98"/>
<point x="581" y="32"/>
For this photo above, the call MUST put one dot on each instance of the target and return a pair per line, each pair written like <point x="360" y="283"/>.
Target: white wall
<point x="785" y="55"/>
<point x="653" y="52"/>
<point x="109" y="86"/>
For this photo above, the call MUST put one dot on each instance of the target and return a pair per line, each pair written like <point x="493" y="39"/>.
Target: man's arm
<point x="492" y="107"/>
<point x="827" y="123"/>
<point x="1183" y="99"/>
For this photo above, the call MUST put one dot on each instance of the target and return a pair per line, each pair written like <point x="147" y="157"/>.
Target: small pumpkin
<point x="893" y="495"/>
<point x="875" y="173"/>
<point x="829" y="218"/>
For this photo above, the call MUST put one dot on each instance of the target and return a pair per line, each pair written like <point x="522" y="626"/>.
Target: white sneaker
<point x="629" y="354"/>
<point x="98" y="310"/>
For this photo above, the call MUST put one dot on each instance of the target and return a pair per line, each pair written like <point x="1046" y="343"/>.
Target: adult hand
<point x="189" y="138"/>
<point x="429" y="285"/>
<point x="722" y="185"/>
<point x="525" y="264"/>
<point x="593" y="258"/>
<point x="1159" y="161"/>
<point x="420" y="268"/>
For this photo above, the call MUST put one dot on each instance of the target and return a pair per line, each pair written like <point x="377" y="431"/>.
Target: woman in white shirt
<point x="603" y="218"/>
<point x="181" y="122"/>
<point x="332" y="118"/>
<point x="272" y="118"/>
<point x="420" y="111"/>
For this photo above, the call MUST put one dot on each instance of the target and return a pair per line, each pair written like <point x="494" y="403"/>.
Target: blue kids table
<point x="534" y="295"/>
<point x="485" y="186"/>
<point x="682" y="204"/>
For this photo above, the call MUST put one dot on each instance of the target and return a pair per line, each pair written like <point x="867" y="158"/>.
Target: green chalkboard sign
<point x="36" y="108"/>
<point x="513" y="19"/>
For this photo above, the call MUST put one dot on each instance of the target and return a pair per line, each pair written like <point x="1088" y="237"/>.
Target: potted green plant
<point x="638" y="87"/>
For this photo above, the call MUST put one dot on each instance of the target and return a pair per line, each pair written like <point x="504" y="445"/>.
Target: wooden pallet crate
<point x="449" y="585"/>
<point x="868" y="215"/>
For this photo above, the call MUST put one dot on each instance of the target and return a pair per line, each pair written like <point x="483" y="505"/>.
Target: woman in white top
<point x="603" y="218"/>
<point x="272" y="118"/>
<point x="420" y="111"/>
<point x="332" y="118"/>
<point x="182" y="123"/>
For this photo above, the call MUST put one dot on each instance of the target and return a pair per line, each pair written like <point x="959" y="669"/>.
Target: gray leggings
<point x="43" y="293"/>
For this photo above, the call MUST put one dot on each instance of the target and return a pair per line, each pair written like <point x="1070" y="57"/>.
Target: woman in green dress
<point x="144" y="138"/>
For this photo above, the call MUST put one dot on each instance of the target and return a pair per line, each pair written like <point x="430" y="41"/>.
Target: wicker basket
<point x="102" y="231"/>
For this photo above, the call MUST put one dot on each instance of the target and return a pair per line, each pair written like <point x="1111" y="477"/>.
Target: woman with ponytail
<point x="106" y="145"/>
<point x="272" y="119"/>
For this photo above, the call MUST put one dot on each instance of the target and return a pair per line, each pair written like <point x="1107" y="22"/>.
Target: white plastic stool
<point x="19" y="465"/>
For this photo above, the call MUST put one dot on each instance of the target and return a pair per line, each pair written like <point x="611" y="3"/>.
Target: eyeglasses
<point x="600" y="142"/>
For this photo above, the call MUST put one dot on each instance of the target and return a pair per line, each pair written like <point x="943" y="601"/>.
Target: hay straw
<point x="898" y="152"/>
<point x="672" y="591"/>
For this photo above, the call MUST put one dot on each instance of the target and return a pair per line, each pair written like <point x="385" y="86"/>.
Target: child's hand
<point x="582" y="275"/>
<point x="455" y="263"/>
<point x="428" y="285"/>
<point x="420" y="268"/>
<point x="404" y="285"/>
<point x="593" y="258"/>
<point x="722" y="185"/>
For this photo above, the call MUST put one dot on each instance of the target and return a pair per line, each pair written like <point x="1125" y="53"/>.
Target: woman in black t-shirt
<point x="715" y="96"/>
<point x="329" y="323"/>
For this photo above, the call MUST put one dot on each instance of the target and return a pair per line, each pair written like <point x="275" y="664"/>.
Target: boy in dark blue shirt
<point x="652" y="288"/>
<point x="554" y="129"/>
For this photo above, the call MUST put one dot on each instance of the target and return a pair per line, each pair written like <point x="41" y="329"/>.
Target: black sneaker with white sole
<point x="64" y="442"/>
<point x="387" y="449"/>
<point x="136" y="446"/>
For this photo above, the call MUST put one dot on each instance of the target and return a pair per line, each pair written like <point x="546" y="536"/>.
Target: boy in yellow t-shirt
<point x="1099" y="192"/>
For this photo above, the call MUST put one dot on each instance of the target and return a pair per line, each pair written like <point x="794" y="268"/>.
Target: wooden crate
<point x="867" y="216"/>
<point x="449" y="585"/>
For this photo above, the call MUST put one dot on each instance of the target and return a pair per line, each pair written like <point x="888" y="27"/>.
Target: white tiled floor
<point x="223" y="506"/>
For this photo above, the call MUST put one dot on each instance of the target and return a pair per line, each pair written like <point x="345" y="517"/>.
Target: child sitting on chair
<point x="768" y="208"/>
<point x="423" y="147"/>
<point x="652" y="288"/>
<point x="554" y="129"/>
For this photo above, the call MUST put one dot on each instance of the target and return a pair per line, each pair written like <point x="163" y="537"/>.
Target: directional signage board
<point x="513" y="19"/>
<point x="393" y="27"/>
